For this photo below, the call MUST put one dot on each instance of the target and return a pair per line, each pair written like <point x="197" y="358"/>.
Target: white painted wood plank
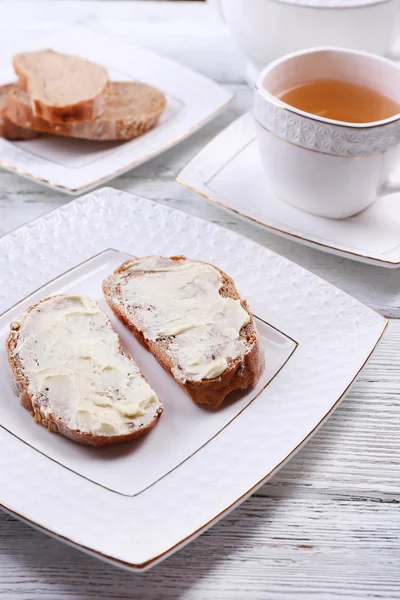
<point x="203" y="41"/>
<point x="21" y="201"/>
<point x="158" y="26"/>
<point x="327" y="525"/>
<point x="357" y="452"/>
<point x="269" y="548"/>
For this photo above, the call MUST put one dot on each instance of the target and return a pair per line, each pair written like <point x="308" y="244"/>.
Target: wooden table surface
<point x="327" y="526"/>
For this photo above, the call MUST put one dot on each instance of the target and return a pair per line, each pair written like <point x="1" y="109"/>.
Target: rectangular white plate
<point x="228" y="171"/>
<point x="73" y="165"/>
<point x="136" y="504"/>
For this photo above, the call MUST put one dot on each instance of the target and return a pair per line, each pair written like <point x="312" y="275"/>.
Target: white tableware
<point x="328" y="168"/>
<point x="145" y="460"/>
<point x="268" y="29"/>
<point x="135" y="504"/>
<point x="229" y="171"/>
<point x="73" y="166"/>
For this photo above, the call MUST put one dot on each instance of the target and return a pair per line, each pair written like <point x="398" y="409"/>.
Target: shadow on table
<point x="54" y="570"/>
<point x="47" y="566"/>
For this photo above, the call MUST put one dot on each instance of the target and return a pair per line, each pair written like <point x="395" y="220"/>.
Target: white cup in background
<point x="268" y="29"/>
<point x="326" y="167"/>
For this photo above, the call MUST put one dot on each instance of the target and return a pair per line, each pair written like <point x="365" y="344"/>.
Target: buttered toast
<point x="190" y="316"/>
<point x="68" y="368"/>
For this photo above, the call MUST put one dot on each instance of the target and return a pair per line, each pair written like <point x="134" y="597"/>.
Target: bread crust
<point x="83" y="110"/>
<point x="8" y="129"/>
<point x="100" y="129"/>
<point x="53" y="423"/>
<point x="242" y="373"/>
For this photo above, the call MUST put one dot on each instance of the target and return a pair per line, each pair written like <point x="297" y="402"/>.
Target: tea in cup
<point x="338" y="100"/>
<point x="328" y="123"/>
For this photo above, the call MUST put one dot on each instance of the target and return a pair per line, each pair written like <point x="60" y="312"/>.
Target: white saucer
<point x="228" y="171"/>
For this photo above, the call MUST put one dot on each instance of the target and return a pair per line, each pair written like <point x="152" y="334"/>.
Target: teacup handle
<point x="389" y="187"/>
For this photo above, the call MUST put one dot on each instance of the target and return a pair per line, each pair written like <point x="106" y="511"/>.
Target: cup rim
<point x="266" y="95"/>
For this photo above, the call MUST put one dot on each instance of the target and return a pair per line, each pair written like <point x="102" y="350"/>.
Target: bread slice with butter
<point x="190" y="316"/>
<point x="68" y="369"/>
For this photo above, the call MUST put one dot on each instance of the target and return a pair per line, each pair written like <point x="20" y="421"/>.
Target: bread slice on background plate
<point x="190" y="316"/>
<point x="131" y="108"/>
<point x="62" y="87"/>
<point x="8" y="129"/>
<point x="68" y="368"/>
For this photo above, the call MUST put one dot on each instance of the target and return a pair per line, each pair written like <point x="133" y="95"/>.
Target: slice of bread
<point x="130" y="110"/>
<point x="62" y="87"/>
<point x="190" y="316"/>
<point x="68" y="368"/>
<point x="8" y="129"/>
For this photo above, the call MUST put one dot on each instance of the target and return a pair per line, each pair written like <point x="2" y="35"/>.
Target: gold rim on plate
<point x="146" y="564"/>
<point x="248" y="492"/>
<point x="13" y="169"/>
<point x="68" y="271"/>
<point x="285" y="233"/>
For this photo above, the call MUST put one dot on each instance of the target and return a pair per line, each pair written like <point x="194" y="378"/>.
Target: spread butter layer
<point x="71" y="357"/>
<point x="180" y="300"/>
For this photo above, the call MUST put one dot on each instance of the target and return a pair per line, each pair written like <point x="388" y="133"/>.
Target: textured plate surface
<point x="228" y="171"/>
<point x="335" y="335"/>
<point x="76" y="165"/>
<point x="184" y="427"/>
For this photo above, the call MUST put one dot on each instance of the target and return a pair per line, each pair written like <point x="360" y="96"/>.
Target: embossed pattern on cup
<point x="310" y="133"/>
<point x="314" y="132"/>
<point x="329" y="168"/>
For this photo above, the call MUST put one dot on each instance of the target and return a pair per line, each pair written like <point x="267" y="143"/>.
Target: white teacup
<point x="326" y="167"/>
<point x="268" y="29"/>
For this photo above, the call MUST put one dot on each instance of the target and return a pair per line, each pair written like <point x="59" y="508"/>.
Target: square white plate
<point x="229" y="171"/>
<point x="135" y="504"/>
<point x="113" y="468"/>
<point x="74" y="166"/>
